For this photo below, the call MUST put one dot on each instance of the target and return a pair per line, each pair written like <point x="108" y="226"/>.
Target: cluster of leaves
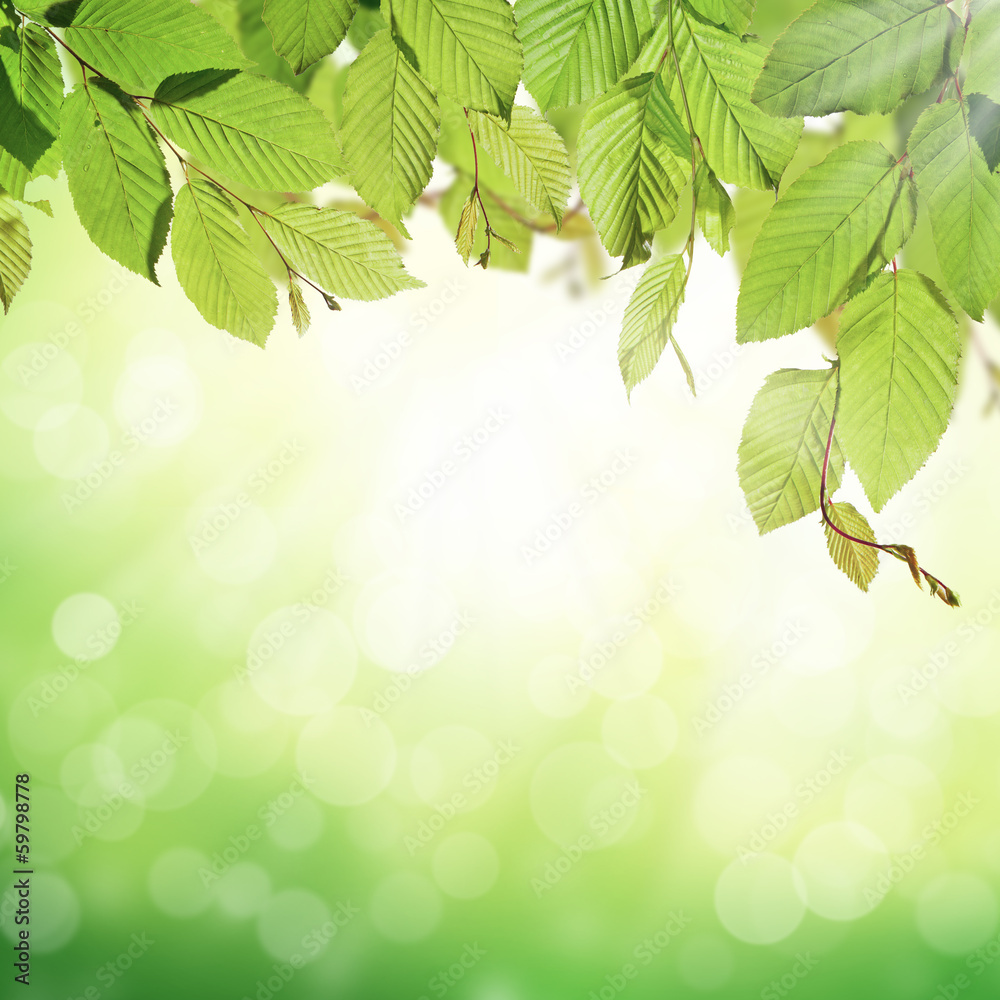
<point x="659" y="106"/>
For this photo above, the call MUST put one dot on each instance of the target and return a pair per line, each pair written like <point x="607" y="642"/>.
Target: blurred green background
<point x="409" y="660"/>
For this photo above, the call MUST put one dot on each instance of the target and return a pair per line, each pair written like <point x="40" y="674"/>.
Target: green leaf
<point x="858" y="562"/>
<point x="304" y="31"/>
<point x="984" y="124"/>
<point x="531" y="153"/>
<point x="716" y="214"/>
<point x="983" y="45"/>
<point x="367" y="23"/>
<point x="116" y="174"/>
<point x="138" y="43"/>
<point x="348" y="256"/>
<point x="467" y="223"/>
<point x="297" y="305"/>
<point x="254" y="130"/>
<point x="899" y="349"/>
<point x="15" y="251"/>
<point x="784" y="441"/>
<point x="649" y="319"/>
<point x="390" y="129"/>
<point x="31" y="95"/>
<point x="466" y="48"/>
<point x="216" y="267"/>
<point x="832" y="230"/>
<point x="865" y="57"/>
<point x="629" y="176"/>
<point x="575" y="50"/>
<point x="733" y="14"/>
<point x="742" y="144"/>
<point x="964" y="202"/>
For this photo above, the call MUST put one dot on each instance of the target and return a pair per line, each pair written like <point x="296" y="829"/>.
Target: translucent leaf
<point x="30" y="100"/>
<point x="576" y="50"/>
<point x="899" y="350"/>
<point x="630" y="178"/>
<point x="346" y="255"/>
<point x="743" y="145"/>
<point x="390" y="129"/>
<point x="984" y="123"/>
<point x="15" y="251"/>
<point x="983" y="46"/>
<point x="216" y="267"/>
<point x="531" y="153"/>
<point x="466" y="234"/>
<point x="254" y="130"/>
<point x="733" y="14"/>
<point x="116" y="174"/>
<point x="864" y="57"/>
<point x="649" y="319"/>
<point x="466" y="48"/>
<point x="304" y="31"/>
<point x="963" y="197"/>
<point x="858" y="562"/>
<point x="784" y="441"/>
<point x="831" y="231"/>
<point x="297" y="305"/>
<point x="716" y="214"/>
<point x="139" y="43"/>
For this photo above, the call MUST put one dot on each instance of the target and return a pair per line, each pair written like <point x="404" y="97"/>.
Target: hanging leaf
<point x="466" y="48"/>
<point x="964" y="201"/>
<point x="983" y="75"/>
<point x="576" y="51"/>
<point x="390" y="129"/>
<point x="784" y="441"/>
<point x="531" y="153"/>
<point x="838" y="225"/>
<point x="899" y="351"/>
<point x="716" y="214"/>
<point x="297" y="305"/>
<point x="216" y="267"/>
<point x="254" y="130"/>
<point x="630" y="177"/>
<point x="346" y="255"/>
<point x="15" y="251"/>
<point x="467" y="224"/>
<point x="864" y="57"/>
<point x="116" y="175"/>
<point x="139" y="43"/>
<point x="649" y="319"/>
<point x="858" y="562"/>
<point x="733" y="14"/>
<point x="304" y="31"/>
